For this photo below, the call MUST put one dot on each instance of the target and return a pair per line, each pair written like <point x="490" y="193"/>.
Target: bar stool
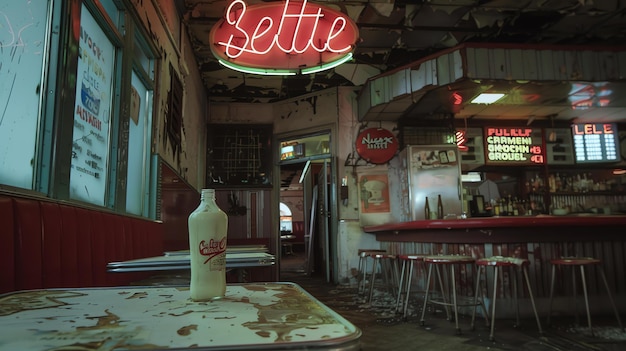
<point x="388" y="266"/>
<point x="498" y="263"/>
<point x="406" y="275"/>
<point x="364" y="255"/>
<point x="581" y="262"/>
<point x="449" y="261"/>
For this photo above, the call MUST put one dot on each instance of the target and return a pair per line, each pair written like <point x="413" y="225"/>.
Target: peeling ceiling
<point x="396" y="33"/>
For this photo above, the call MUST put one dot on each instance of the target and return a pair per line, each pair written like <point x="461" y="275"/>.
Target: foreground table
<point x="256" y="316"/>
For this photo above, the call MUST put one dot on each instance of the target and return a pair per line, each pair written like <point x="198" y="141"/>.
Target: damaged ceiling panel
<point x="397" y="33"/>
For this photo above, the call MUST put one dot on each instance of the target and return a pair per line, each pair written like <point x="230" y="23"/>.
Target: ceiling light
<point x="487" y="98"/>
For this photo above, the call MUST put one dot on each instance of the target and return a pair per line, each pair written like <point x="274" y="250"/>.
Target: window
<point x="77" y="141"/>
<point x="139" y="124"/>
<point x="285" y="218"/>
<point x="23" y="27"/>
<point x="175" y="111"/>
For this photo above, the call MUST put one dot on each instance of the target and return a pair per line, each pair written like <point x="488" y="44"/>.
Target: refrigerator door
<point x="433" y="171"/>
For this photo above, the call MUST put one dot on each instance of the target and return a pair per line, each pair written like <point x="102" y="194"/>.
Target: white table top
<point x="179" y="260"/>
<point x="255" y="316"/>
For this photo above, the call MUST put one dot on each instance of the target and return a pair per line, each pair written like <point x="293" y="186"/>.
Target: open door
<point x="323" y="186"/>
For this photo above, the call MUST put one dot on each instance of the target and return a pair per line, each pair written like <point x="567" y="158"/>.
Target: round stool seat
<point x="502" y="261"/>
<point x="382" y="255"/>
<point x="411" y="257"/>
<point x="363" y="253"/>
<point x="575" y="261"/>
<point x="447" y="259"/>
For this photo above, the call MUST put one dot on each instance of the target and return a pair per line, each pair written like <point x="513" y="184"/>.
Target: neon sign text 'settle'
<point x="283" y="38"/>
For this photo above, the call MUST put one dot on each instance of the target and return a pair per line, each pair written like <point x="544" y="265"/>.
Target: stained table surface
<point x="255" y="316"/>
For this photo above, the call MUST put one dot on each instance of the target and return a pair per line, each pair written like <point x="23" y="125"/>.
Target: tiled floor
<point x="384" y="330"/>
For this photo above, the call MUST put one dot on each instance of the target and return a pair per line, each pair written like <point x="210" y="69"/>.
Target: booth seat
<point x="47" y="244"/>
<point x="298" y="231"/>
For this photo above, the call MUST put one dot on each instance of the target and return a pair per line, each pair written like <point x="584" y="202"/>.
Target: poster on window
<point x="92" y="112"/>
<point x="374" y="204"/>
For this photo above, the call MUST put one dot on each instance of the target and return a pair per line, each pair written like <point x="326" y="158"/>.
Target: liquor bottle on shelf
<point x="426" y="209"/>
<point x="208" y="226"/>
<point x="439" y="207"/>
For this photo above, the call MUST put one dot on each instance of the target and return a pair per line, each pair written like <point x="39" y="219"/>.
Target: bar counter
<point x="538" y="238"/>
<point x="504" y="229"/>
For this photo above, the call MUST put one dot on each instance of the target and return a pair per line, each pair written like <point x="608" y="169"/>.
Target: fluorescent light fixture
<point x="326" y="66"/>
<point x="263" y="71"/>
<point x="471" y="177"/>
<point x="487" y="98"/>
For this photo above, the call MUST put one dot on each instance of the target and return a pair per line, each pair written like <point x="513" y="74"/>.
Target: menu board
<point x="513" y="145"/>
<point x="595" y="142"/>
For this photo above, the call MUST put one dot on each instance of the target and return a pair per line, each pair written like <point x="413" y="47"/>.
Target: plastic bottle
<point x="208" y="226"/>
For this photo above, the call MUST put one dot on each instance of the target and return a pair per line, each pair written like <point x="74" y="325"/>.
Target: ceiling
<point x="397" y="33"/>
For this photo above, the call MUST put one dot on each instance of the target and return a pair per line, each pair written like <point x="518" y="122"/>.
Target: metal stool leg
<point x="576" y="293"/>
<point x="401" y="285"/>
<point x="608" y="290"/>
<point x="427" y="296"/>
<point x="495" y="295"/>
<point x="584" y="282"/>
<point x="444" y="289"/>
<point x="373" y="278"/>
<point x="454" y="303"/>
<point x="513" y="272"/>
<point x="408" y="287"/>
<point x="551" y="294"/>
<point x="362" y="269"/>
<point x="532" y="299"/>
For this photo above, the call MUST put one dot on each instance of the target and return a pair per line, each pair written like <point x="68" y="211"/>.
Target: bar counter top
<point x="502" y="229"/>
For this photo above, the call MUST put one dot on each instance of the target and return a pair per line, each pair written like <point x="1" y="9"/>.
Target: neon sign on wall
<point x="595" y="142"/>
<point x="283" y="38"/>
<point x="513" y="145"/>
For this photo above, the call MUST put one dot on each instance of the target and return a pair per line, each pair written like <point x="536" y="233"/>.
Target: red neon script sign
<point x="282" y="36"/>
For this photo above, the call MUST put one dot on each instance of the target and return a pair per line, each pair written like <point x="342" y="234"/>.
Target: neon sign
<point x="282" y="38"/>
<point x="595" y="142"/>
<point x="513" y="145"/>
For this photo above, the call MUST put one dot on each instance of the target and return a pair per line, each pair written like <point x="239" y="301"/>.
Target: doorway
<point x="294" y="219"/>
<point x="304" y="187"/>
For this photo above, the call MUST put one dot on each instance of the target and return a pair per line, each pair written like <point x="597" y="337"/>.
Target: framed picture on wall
<point x="374" y="198"/>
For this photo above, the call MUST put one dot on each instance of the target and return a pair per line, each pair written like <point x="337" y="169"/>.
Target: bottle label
<point x="212" y="249"/>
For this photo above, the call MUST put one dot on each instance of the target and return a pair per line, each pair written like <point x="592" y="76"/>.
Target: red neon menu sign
<point x="513" y="145"/>
<point x="282" y="36"/>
